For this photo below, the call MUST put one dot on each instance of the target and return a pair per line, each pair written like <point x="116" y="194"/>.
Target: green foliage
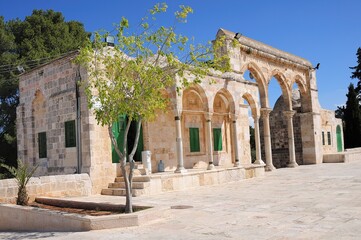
<point x="357" y="70"/>
<point x="252" y="142"/>
<point x="36" y="40"/>
<point x="352" y="119"/>
<point x="22" y="175"/>
<point x="132" y="77"/>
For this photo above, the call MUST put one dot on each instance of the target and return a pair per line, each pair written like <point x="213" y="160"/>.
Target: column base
<point x="269" y="168"/>
<point x="210" y="166"/>
<point x="259" y="162"/>
<point x="180" y="170"/>
<point x="236" y="163"/>
<point x="292" y="165"/>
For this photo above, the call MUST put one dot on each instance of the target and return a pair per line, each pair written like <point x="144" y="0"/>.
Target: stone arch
<point x="252" y="103"/>
<point x="282" y="81"/>
<point x="195" y="97"/>
<point x="260" y="79"/>
<point x="305" y="105"/>
<point x="39" y="110"/>
<point x="227" y="99"/>
<point x="194" y="108"/>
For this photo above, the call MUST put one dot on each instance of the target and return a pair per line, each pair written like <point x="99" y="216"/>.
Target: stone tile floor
<point x="309" y="202"/>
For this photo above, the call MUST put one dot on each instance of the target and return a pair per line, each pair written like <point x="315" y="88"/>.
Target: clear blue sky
<point x="325" y="31"/>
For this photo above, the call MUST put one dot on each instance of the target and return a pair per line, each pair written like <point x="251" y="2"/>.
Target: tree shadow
<point x="28" y="235"/>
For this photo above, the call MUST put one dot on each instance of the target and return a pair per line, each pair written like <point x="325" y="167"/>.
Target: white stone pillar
<point x="291" y="138"/>
<point x="235" y="140"/>
<point x="179" y="143"/>
<point x="209" y="134"/>
<point x="267" y="138"/>
<point x="257" y="139"/>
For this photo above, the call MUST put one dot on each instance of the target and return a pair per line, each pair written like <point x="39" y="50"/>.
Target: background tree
<point x="131" y="77"/>
<point x="357" y="71"/>
<point x="352" y="119"/>
<point x="39" y="38"/>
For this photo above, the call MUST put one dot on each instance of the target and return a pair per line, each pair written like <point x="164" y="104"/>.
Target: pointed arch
<point x="252" y="103"/>
<point x="260" y="79"/>
<point x="282" y="81"/>
<point x="196" y="96"/>
<point x="227" y="99"/>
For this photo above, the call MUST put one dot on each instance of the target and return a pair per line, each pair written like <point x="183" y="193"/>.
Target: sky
<point x="322" y="31"/>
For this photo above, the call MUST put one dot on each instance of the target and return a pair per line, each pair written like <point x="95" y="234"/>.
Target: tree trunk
<point x="123" y="159"/>
<point x="22" y="196"/>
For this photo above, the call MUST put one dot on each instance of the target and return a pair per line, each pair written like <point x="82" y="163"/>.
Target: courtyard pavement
<point x="308" y="202"/>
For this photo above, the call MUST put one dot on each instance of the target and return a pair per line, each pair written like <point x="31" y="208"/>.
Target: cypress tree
<point x="352" y="118"/>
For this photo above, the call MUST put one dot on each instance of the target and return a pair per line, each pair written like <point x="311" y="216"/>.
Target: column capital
<point x="233" y="117"/>
<point x="265" y="112"/>
<point x="177" y="112"/>
<point x="289" y="114"/>
<point x="208" y="116"/>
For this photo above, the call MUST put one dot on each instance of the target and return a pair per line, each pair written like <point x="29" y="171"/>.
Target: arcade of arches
<point x="206" y="125"/>
<point x="211" y="124"/>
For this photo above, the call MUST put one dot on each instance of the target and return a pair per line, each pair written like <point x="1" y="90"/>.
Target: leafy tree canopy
<point x="132" y="77"/>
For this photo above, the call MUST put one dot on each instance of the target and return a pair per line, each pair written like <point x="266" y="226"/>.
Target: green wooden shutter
<point x="194" y="139"/>
<point x="323" y="138"/>
<point x="42" y="144"/>
<point x="339" y="138"/>
<point x="70" y="134"/>
<point x="217" y="138"/>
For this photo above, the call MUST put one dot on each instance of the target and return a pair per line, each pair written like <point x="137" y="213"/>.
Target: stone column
<point x="257" y="139"/>
<point x="235" y="140"/>
<point x="291" y="138"/>
<point x="209" y="134"/>
<point x="267" y="138"/>
<point x="179" y="143"/>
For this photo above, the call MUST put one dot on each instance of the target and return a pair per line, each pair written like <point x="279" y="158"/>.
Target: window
<point x="329" y="138"/>
<point x="217" y="137"/>
<point x="194" y="139"/>
<point x="70" y="134"/>
<point x="42" y="144"/>
<point x="323" y="138"/>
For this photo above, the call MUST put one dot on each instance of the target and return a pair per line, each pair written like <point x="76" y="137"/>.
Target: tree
<point x="357" y="71"/>
<point x="131" y="77"/>
<point x="22" y="175"/>
<point x="39" y="38"/>
<point x="352" y="118"/>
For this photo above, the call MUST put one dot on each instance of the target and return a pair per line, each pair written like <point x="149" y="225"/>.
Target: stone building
<point x="206" y="125"/>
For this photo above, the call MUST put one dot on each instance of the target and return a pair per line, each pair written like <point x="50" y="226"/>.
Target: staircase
<point x="140" y="186"/>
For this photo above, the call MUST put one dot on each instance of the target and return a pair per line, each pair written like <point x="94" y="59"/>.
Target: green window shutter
<point x="70" y="134"/>
<point x="217" y="138"/>
<point x="339" y="139"/>
<point x="42" y="144"/>
<point x="194" y="139"/>
<point x="329" y="138"/>
<point x="323" y="138"/>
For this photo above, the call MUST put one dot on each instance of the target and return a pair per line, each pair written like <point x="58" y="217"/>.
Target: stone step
<point x="122" y="192"/>
<point x="135" y="179"/>
<point x="135" y="185"/>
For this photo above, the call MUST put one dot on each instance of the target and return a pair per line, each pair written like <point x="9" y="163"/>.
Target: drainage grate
<point x="181" y="207"/>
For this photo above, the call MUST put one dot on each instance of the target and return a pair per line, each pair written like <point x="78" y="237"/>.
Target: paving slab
<point x="308" y="202"/>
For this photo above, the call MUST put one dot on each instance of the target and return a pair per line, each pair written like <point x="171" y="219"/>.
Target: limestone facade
<point x="205" y="125"/>
<point x="50" y="98"/>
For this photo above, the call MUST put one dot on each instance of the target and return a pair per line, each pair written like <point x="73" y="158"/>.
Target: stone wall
<point x="329" y="125"/>
<point x="50" y="186"/>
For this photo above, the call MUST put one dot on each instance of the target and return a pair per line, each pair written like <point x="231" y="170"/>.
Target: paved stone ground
<point x="308" y="202"/>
